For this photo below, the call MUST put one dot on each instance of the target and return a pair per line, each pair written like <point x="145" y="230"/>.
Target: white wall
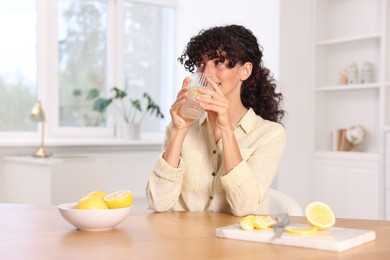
<point x="296" y="80"/>
<point x="261" y="16"/>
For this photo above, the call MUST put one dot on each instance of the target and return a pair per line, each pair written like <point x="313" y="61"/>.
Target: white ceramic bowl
<point x="92" y="220"/>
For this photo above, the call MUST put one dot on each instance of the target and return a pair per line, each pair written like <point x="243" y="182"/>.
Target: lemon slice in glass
<point x="301" y="230"/>
<point x="119" y="199"/>
<point x="320" y="215"/>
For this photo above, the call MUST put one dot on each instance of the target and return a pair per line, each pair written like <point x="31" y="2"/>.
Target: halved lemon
<point x="263" y="222"/>
<point x="119" y="199"/>
<point x="301" y="230"/>
<point x="320" y="215"/>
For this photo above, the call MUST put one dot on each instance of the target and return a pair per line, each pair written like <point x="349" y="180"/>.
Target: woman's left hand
<point x="215" y="104"/>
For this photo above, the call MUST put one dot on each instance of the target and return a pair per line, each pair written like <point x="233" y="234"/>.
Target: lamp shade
<point x="37" y="114"/>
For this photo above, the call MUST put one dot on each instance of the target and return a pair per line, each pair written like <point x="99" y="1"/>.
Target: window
<point x="82" y="61"/>
<point x="74" y="46"/>
<point x="18" y="64"/>
<point x="149" y="54"/>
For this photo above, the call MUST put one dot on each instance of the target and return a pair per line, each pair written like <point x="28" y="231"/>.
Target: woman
<point x="226" y="160"/>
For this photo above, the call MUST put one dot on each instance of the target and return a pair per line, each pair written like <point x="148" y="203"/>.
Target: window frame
<point x="47" y="69"/>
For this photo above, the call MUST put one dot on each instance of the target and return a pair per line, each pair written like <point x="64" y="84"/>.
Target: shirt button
<point x="213" y="173"/>
<point x="214" y="151"/>
<point x="211" y="197"/>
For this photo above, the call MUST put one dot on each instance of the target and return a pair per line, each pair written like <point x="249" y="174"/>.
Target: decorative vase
<point x="130" y="131"/>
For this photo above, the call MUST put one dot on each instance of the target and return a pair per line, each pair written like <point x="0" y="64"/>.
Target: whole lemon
<point x="97" y="193"/>
<point x="91" y="202"/>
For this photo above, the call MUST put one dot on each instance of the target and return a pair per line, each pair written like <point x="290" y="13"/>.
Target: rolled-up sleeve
<point x="247" y="184"/>
<point x="164" y="185"/>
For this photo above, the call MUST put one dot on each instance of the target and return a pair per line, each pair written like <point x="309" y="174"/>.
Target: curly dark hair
<point x="237" y="44"/>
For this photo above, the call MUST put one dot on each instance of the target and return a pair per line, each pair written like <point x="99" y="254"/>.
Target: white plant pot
<point x="130" y="131"/>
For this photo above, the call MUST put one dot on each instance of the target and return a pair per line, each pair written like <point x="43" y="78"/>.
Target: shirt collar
<point x="247" y="122"/>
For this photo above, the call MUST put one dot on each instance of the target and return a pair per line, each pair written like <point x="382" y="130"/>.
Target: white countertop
<point x="154" y="139"/>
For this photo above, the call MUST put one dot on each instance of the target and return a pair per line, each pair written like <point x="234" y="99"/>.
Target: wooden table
<point x="39" y="232"/>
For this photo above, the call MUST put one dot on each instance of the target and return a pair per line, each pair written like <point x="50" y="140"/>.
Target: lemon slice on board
<point x="251" y="222"/>
<point x="320" y="215"/>
<point x="250" y="217"/>
<point x="301" y="230"/>
<point x="246" y="224"/>
<point x="263" y="222"/>
<point x="119" y="199"/>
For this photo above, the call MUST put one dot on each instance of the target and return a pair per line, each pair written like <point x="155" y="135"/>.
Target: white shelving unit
<point x="347" y="31"/>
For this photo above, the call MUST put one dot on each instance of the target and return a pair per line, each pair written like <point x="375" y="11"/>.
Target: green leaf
<point x="136" y="104"/>
<point x="152" y="106"/>
<point x="101" y="104"/>
<point x="120" y="94"/>
<point x="93" y="93"/>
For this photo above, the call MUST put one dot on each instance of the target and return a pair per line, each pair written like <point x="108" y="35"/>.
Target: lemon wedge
<point x="320" y="215"/>
<point x="119" y="199"/>
<point x="301" y="230"/>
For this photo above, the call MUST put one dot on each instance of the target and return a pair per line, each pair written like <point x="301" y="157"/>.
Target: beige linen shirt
<point x="199" y="182"/>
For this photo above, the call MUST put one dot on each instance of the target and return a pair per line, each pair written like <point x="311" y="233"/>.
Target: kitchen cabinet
<point x="349" y="186"/>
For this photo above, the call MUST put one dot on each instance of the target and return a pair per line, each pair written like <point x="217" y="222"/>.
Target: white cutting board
<point x="333" y="239"/>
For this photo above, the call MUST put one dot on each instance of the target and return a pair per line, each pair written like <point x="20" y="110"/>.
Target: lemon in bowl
<point x="97" y="193"/>
<point x="91" y="213"/>
<point x="91" y="202"/>
<point x="119" y="199"/>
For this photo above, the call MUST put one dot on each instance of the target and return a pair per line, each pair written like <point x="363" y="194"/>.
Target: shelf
<point x="346" y="155"/>
<point x="342" y="109"/>
<point x="332" y="59"/>
<point x="375" y="36"/>
<point x="348" y="87"/>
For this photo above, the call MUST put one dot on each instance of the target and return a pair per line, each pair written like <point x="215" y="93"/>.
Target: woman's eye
<point x="219" y="62"/>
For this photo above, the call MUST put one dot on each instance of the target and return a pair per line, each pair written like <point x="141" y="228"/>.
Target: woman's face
<point x="229" y="79"/>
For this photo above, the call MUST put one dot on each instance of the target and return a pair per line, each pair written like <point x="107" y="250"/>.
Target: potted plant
<point x="132" y="111"/>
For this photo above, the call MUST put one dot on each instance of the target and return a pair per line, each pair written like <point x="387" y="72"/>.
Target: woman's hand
<point x="180" y="122"/>
<point x="215" y="104"/>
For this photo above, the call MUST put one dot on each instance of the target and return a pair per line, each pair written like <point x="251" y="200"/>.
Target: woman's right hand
<point x="179" y="121"/>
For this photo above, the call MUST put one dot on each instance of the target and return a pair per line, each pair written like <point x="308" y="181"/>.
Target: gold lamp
<point x="38" y="115"/>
